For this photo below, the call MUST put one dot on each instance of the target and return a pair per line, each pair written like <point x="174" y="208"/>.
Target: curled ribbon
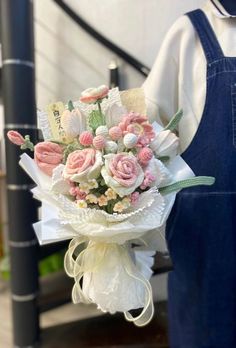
<point x="91" y="258"/>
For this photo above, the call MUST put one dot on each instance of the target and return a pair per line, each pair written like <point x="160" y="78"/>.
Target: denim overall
<point x="201" y="230"/>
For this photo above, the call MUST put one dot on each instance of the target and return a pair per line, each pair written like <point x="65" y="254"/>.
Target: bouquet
<point x="107" y="180"/>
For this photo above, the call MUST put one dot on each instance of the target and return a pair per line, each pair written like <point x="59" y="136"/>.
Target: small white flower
<point x="93" y="184"/>
<point x="84" y="187"/>
<point x="119" y="207"/>
<point x="110" y="194"/>
<point x="126" y="202"/>
<point x="92" y="198"/>
<point x="102" y="200"/>
<point x="81" y="203"/>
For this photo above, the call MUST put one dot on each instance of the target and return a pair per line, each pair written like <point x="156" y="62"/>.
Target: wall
<point x="68" y="60"/>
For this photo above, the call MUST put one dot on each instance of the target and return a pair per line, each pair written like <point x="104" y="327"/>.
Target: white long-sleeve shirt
<point x="178" y="77"/>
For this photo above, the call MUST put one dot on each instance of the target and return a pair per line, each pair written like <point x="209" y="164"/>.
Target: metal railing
<point x="132" y="61"/>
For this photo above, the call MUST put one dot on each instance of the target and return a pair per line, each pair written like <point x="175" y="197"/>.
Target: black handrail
<point x="20" y="115"/>
<point x="136" y="64"/>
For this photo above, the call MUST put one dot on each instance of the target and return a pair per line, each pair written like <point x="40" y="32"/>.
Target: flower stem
<point x="100" y="110"/>
<point x="70" y="105"/>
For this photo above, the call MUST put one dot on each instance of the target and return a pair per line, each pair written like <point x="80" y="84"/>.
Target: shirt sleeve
<point x="161" y="88"/>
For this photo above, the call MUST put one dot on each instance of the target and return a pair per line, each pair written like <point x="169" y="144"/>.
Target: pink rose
<point x="124" y="169"/>
<point x="91" y="95"/>
<point x="15" y="137"/>
<point x="137" y="124"/>
<point x="83" y="165"/>
<point x="48" y="156"/>
<point x="122" y="173"/>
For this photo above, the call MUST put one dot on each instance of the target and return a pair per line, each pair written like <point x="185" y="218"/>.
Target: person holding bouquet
<point x="196" y="69"/>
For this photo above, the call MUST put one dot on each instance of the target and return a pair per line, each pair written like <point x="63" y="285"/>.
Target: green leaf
<point x="172" y="125"/>
<point x="96" y="119"/>
<point x="27" y="144"/>
<point x="163" y="158"/>
<point x="71" y="148"/>
<point x="102" y="183"/>
<point x="70" y="105"/>
<point x="52" y="263"/>
<point x="195" y="181"/>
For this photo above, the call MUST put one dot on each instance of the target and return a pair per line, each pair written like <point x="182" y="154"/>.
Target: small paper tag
<point x="54" y="112"/>
<point x="134" y="100"/>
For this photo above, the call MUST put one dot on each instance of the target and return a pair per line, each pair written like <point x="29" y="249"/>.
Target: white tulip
<point x="73" y="122"/>
<point x="166" y="143"/>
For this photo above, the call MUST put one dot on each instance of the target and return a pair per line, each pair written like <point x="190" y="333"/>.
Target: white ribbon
<point x="91" y="259"/>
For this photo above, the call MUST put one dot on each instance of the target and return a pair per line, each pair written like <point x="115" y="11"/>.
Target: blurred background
<point x="78" y="44"/>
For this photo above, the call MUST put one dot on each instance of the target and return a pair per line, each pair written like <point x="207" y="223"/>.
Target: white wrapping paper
<point x="116" y="262"/>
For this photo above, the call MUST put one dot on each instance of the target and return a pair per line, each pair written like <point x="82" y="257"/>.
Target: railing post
<point x="20" y="114"/>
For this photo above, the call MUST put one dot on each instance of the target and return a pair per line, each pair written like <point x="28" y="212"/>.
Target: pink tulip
<point x="15" y="137"/>
<point x="48" y="156"/>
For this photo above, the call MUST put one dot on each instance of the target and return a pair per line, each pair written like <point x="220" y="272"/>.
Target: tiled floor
<point x="70" y="313"/>
<point x="62" y="314"/>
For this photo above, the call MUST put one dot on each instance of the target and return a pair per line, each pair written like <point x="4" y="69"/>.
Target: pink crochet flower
<point x="134" y="197"/>
<point x="148" y="180"/>
<point x="99" y="142"/>
<point x="115" y="133"/>
<point x="73" y="190"/>
<point x="81" y="195"/>
<point x="48" y="156"/>
<point x="139" y="125"/>
<point x="91" y="95"/>
<point x="86" y="138"/>
<point x="143" y="141"/>
<point x="145" y="155"/>
<point x="77" y="193"/>
<point x="83" y="165"/>
<point x="124" y="169"/>
<point x="15" y="137"/>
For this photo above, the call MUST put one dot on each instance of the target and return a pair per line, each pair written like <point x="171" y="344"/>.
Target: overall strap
<point x="210" y="44"/>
